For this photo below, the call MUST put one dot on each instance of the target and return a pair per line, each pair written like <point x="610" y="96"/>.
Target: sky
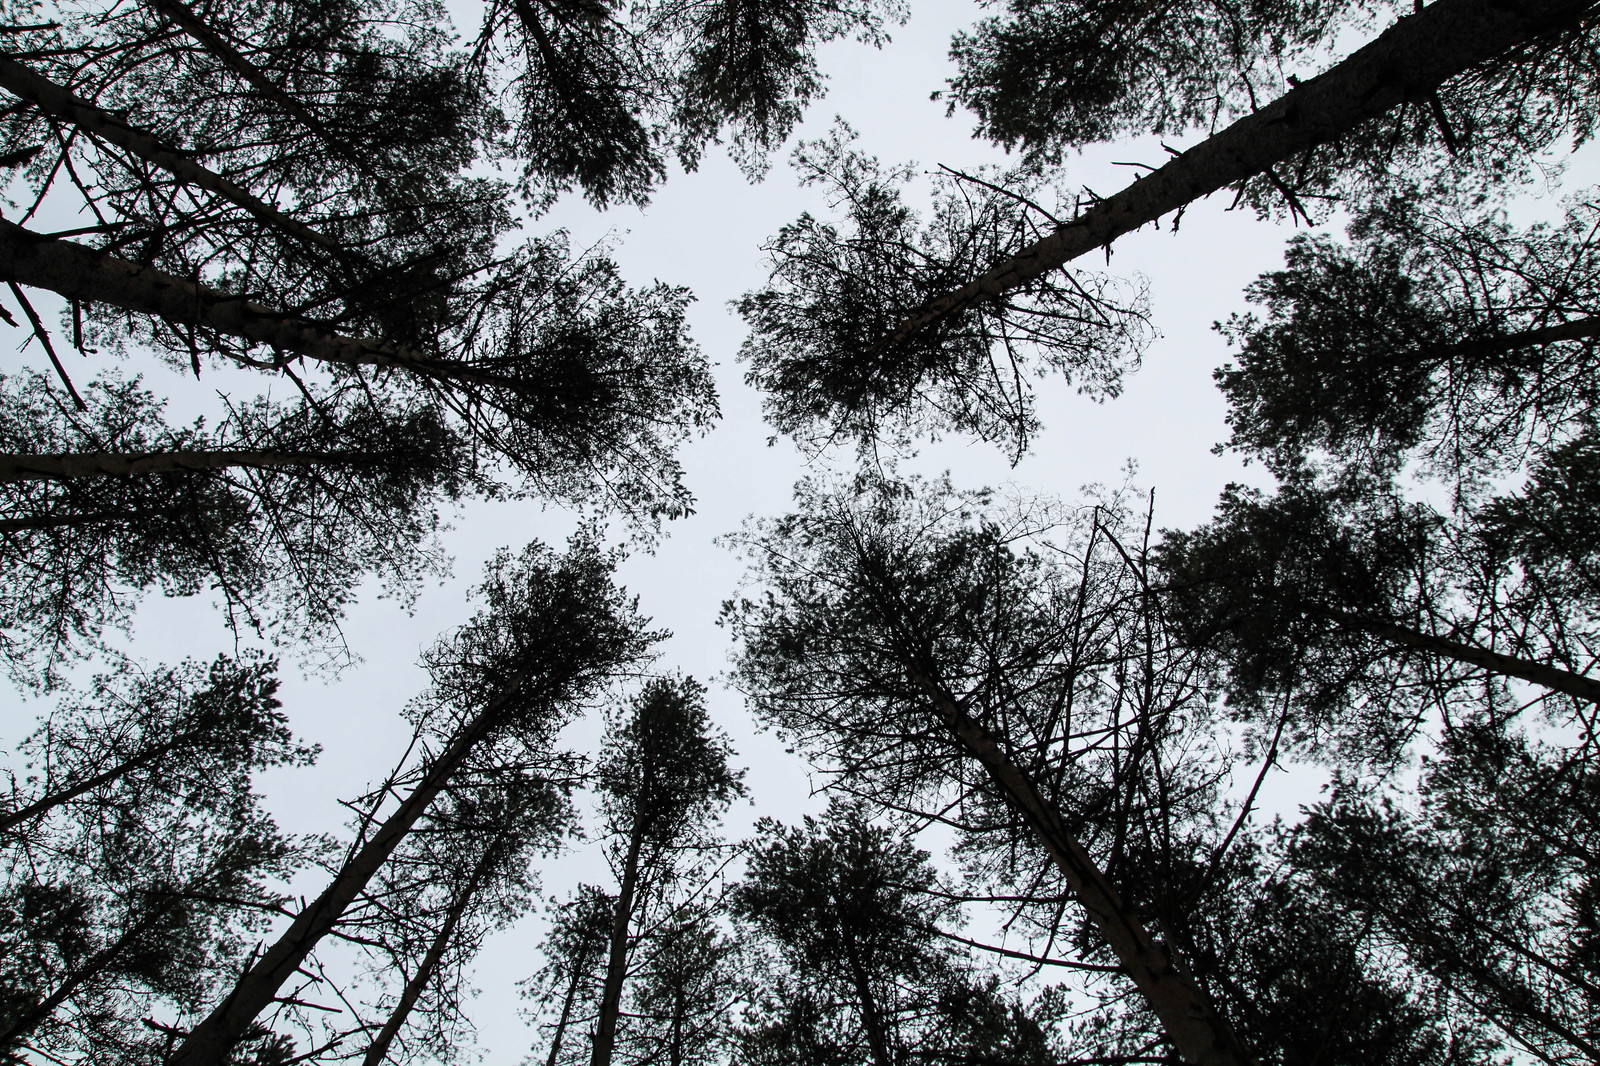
<point x="704" y="230"/>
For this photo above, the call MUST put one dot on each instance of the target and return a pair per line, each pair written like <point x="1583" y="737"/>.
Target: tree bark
<point x="79" y="273"/>
<point x="1579" y="686"/>
<point x="1406" y="63"/>
<point x="605" y="1034"/>
<point x="871" y="1016"/>
<point x="62" y="103"/>
<point x="72" y="792"/>
<point x="68" y="465"/>
<point x="209" y="1043"/>
<point x="1191" y="1021"/>
<point x="378" y="1050"/>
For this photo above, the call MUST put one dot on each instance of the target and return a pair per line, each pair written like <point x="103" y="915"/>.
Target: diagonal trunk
<point x="68" y="465"/>
<point x="89" y="784"/>
<point x="1578" y="686"/>
<point x="63" y="104"/>
<point x="210" y="1042"/>
<point x="605" y="1034"/>
<point x="218" y="46"/>
<point x="580" y="966"/>
<point x="1405" y="63"/>
<point x="1576" y="330"/>
<point x="379" y="1049"/>
<point x="1190" y="1020"/>
<point x="871" y="1016"/>
<point x="79" y="273"/>
<point x="67" y="521"/>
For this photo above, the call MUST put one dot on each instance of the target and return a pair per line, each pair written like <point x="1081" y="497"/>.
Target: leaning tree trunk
<point x="605" y="1033"/>
<point x="378" y="1050"/>
<point x="1578" y="686"/>
<point x="80" y="273"/>
<point x="63" y="104"/>
<point x="89" y="784"/>
<point x="69" y="465"/>
<point x="210" y="1042"/>
<point x="1407" y="62"/>
<point x="1190" y="1020"/>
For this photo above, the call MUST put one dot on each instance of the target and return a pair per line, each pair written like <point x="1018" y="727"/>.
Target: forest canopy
<point x="325" y="309"/>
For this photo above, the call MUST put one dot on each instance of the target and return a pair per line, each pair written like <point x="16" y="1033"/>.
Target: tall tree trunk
<point x="1190" y="1020"/>
<point x="63" y="104"/>
<point x="1407" y="62"/>
<point x="579" y="967"/>
<point x="67" y="465"/>
<point x="72" y="792"/>
<point x="210" y="1042"/>
<point x="79" y="273"/>
<point x="871" y="1016"/>
<point x="605" y="1034"/>
<point x="379" y="1048"/>
<point x="69" y="521"/>
<point x="1579" y="686"/>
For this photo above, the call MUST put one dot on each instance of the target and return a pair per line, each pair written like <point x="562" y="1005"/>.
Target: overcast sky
<point x="704" y="230"/>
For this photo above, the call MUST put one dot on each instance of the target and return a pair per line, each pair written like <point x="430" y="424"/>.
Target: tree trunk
<point x="605" y="1034"/>
<point x="65" y="466"/>
<point x="871" y="1016"/>
<point x="1578" y="686"/>
<point x="79" y="273"/>
<point x="63" y="104"/>
<point x="379" y="1049"/>
<point x="214" y="43"/>
<point x="1407" y="62"/>
<point x="210" y="1042"/>
<point x="72" y="792"/>
<point x="579" y="966"/>
<point x="30" y="525"/>
<point x="1191" y="1021"/>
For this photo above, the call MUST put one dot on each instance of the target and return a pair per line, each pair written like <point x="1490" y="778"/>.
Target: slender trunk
<point x="580" y="966"/>
<point x="1575" y="330"/>
<point x="210" y="1042"/>
<point x="65" y="466"/>
<point x="93" y="967"/>
<point x="229" y="56"/>
<point x="1579" y="686"/>
<point x="605" y="1034"/>
<point x="89" y="784"/>
<point x="1406" y="63"/>
<point x="79" y="273"/>
<point x="871" y="1016"/>
<point x="70" y="521"/>
<point x="679" y="1009"/>
<point x="61" y="103"/>
<point x="379" y="1049"/>
<point x="1190" y="1020"/>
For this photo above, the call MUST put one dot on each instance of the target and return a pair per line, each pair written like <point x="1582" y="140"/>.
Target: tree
<point x="1489" y="48"/>
<point x="664" y="779"/>
<point x="1441" y="335"/>
<point x="281" y="508"/>
<point x="834" y="291"/>
<point x="1486" y="885"/>
<point x="137" y="863"/>
<point x="553" y="633"/>
<point x="568" y="985"/>
<point x="462" y="872"/>
<point x="861" y="971"/>
<point x="940" y="665"/>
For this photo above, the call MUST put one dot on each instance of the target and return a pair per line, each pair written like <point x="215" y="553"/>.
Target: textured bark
<point x="61" y="103"/>
<point x="81" y="273"/>
<point x="210" y="1042"/>
<point x="1405" y="63"/>
<point x="1190" y="1020"/>
<point x="605" y="1033"/>
<point x="378" y="1050"/>
<point x="69" y="465"/>
<point x="1578" y="686"/>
